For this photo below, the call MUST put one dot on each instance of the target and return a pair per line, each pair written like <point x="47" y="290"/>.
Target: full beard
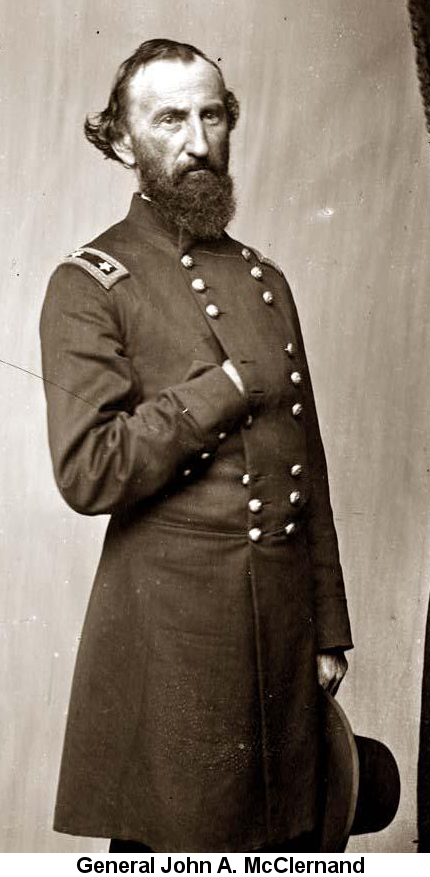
<point x="199" y="200"/>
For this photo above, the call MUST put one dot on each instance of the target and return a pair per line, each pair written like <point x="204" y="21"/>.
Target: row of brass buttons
<point x="199" y="285"/>
<point x="257" y="274"/>
<point x="255" y="534"/>
<point x="255" y="505"/>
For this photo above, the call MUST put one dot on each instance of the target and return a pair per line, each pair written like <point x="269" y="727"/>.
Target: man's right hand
<point x="234" y="375"/>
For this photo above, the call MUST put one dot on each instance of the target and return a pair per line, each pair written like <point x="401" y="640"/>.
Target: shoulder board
<point x="266" y="261"/>
<point x="101" y="266"/>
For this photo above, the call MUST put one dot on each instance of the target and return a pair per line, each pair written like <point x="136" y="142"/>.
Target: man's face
<point x="178" y="139"/>
<point x="176" y="114"/>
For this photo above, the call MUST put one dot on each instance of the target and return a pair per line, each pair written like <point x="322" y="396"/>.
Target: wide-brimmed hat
<point x="361" y="784"/>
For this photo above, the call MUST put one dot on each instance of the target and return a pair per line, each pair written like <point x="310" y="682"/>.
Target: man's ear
<point x="123" y="148"/>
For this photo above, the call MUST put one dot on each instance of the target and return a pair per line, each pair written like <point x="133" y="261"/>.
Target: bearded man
<point x="179" y="403"/>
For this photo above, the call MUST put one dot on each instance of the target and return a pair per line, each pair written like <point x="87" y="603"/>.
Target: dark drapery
<point x="419" y="11"/>
<point x="424" y="753"/>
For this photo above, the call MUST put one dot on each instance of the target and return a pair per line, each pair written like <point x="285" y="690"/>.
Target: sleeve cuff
<point x="211" y="400"/>
<point x="333" y="628"/>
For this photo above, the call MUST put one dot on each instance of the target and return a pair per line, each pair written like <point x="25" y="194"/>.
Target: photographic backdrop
<point x="332" y="169"/>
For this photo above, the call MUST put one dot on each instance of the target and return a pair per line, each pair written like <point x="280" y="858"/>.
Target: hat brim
<point x="340" y="780"/>
<point x="360" y="789"/>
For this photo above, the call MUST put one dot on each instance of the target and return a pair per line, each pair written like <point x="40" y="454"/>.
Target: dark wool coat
<point x="193" y="722"/>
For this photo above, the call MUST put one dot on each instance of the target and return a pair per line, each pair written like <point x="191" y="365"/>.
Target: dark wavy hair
<point x="108" y="126"/>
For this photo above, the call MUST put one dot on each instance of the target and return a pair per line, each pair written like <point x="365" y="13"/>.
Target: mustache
<point x="200" y="164"/>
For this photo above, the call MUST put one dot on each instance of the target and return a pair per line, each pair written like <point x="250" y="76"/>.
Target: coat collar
<point x="148" y="216"/>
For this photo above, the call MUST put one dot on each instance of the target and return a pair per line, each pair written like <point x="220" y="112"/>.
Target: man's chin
<point x="199" y="200"/>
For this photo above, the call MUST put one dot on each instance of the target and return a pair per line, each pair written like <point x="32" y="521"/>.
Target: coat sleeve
<point x="331" y="613"/>
<point x="109" y="447"/>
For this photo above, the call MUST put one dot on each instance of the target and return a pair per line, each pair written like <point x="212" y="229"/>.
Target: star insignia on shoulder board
<point x="102" y="266"/>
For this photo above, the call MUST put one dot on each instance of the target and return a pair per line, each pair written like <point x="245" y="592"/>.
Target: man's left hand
<point x="331" y="668"/>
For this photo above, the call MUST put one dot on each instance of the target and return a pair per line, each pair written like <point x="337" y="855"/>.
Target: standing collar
<point x="146" y="214"/>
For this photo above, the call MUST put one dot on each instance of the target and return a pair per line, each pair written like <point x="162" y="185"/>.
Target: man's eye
<point x="170" y="120"/>
<point x="213" y="116"/>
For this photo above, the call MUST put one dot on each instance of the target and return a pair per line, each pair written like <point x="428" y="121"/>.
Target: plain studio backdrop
<point x="332" y="169"/>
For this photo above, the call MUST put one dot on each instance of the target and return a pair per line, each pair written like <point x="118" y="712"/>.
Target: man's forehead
<point x="173" y="80"/>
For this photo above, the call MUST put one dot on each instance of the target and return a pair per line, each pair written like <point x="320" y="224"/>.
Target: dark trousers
<point x="306" y="843"/>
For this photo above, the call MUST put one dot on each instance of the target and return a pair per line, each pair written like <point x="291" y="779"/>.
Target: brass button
<point x="212" y="311"/>
<point x="268" y="297"/>
<point x="246" y="479"/>
<point x="198" y="284"/>
<point x="187" y="472"/>
<point x="295" y="497"/>
<point x="290" y="529"/>
<point x="255" y="534"/>
<point x="256" y="272"/>
<point x="222" y="436"/>
<point x="187" y="261"/>
<point x="290" y="349"/>
<point x="255" y="505"/>
<point x="296" y="470"/>
<point x="205" y="455"/>
<point x="249" y="420"/>
<point x="246" y="254"/>
<point x="297" y="409"/>
<point x="296" y="377"/>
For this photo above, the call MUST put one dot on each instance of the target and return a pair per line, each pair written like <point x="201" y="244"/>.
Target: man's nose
<point x="197" y="143"/>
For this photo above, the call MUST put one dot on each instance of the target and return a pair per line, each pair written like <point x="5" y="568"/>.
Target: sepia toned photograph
<point x="215" y="467"/>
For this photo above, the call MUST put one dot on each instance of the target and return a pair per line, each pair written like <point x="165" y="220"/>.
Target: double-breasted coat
<point x="193" y="721"/>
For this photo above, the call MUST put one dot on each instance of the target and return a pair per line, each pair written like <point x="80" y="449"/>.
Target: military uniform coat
<point x="193" y="722"/>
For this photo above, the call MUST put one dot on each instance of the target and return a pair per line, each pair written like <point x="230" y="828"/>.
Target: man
<point x="179" y="403"/>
